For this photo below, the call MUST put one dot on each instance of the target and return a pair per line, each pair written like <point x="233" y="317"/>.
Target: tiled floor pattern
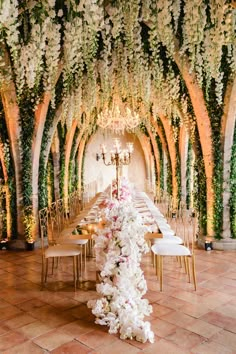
<point x="57" y="319"/>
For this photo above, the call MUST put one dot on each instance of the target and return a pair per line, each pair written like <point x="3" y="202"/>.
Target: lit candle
<point x="130" y="147"/>
<point x="103" y="148"/>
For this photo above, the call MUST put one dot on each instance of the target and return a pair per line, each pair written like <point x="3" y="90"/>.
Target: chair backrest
<point x="53" y="223"/>
<point x="72" y="205"/>
<point x="61" y="214"/>
<point x="190" y="229"/>
<point x="43" y="226"/>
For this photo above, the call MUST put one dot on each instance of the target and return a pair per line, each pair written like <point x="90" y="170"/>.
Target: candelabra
<point x="118" y="158"/>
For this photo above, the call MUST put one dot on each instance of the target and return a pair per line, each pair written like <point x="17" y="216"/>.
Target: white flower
<point x="119" y="248"/>
<point x="60" y="13"/>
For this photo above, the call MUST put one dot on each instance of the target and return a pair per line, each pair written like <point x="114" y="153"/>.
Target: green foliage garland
<point x="50" y="178"/>
<point x="232" y="202"/>
<point x="188" y="174"/>
<point x="159" y="146"/>
<point x="62" y="139"/>
<point x="43" y="197"/>
<point x="200" y="189"/>
<point x="10" y="172"/>
<point x="72" y="164"/>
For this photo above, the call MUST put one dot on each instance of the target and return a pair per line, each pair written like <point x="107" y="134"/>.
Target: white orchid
<point x="119" y="248"/>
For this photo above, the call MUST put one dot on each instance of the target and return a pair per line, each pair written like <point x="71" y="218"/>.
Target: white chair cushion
<point x="170" y="239"/>
<point x="170" y="250"/>
<point x="73" y="241"/>
<point x="62" y="251"/>
<point x="167" y="232"/>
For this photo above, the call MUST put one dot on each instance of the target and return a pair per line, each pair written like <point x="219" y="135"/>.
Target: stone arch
<point x="157" y="159"/>
<point x="145" y="144"/>
<point x="172" y="153"/>
<point x="39" y="123"/>
<point x="11" y="112"/>
<point x="69" y="141"/>
<point x="204" y="130"/>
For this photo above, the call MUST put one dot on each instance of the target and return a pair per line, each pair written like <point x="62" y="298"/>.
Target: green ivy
<point x="10" y="172"/>
<point x="188" y="175"/>
<point x="50" y="178"/>
<point x="232" y="202"/>
<point x="62" y="139"/>
<point x="43" y="197"/>
<point x="169" y="169"/>
<point x="200" y="188"/>
<point x="160" y="149"/>
<point x="72" y="164"/>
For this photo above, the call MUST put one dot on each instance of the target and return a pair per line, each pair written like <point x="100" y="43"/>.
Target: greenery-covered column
<point x="205" y="133"/>
<point x="183" y="151"/>
<point x="229" y="160"/>
<point x="157" y="162"/>
<point x="12" y="119"/>
<point x="68" y="146"/>
<point x="232" y="202"/>
<point x="173" y="153"/>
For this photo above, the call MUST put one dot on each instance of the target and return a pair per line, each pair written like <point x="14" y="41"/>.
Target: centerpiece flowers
<point x="118" y="249"/>
<point x="124" y="190"/>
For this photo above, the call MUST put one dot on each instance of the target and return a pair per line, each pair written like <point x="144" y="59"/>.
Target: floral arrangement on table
<point x="124" y="190"/>
<point x="118" y="249"/>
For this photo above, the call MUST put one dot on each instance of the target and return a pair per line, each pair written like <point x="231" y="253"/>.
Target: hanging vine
<point x="72" y="164"/>
<point x="200" y="188"/>
<point x="188" y="175"/>
<point x="160" y="149"/>
<point x="232" y="202"/>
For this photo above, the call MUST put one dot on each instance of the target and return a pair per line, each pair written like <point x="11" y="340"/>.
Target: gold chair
<point x="185" y="251"/>
<point x="54" y="250"/>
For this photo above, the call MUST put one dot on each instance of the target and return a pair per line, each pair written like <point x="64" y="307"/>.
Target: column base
<point x="20" y="244"/>
<point x="221" y="245"/>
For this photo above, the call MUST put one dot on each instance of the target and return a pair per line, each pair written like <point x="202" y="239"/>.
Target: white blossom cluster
<point x="122" y="65"/>
<point x="119" y="248"/>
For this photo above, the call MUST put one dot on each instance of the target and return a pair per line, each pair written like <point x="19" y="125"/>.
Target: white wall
<point x="96" y="170"/>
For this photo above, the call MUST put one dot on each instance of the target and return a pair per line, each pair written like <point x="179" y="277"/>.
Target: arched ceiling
<point x="133" y="50"/>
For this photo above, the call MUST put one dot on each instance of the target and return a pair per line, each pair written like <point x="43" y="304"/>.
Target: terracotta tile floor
<point x="57" y="319"/>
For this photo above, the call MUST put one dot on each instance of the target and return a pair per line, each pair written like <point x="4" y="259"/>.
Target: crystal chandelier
<point x="117" y="121"/>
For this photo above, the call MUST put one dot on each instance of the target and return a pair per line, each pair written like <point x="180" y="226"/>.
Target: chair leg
<point x="153" y="259"/>
<point x="74" y="271"/>
<point x="85" y="255"/>
<point x="53" y="260"/>
<point x="42" y="274"/>
<point x="156" y="261"/>
<point x="77" y="270"/>
<point x="194" y="272"/>
<point x="161" y="272"/>
<point x="81" y="259"/>
<point x="46" y="271"/>
<point x="188" y="269"/>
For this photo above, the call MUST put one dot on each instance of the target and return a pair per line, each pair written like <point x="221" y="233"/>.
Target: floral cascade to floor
<point x="119" y="248"/>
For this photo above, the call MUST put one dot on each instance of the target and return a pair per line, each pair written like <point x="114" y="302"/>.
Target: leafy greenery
<point x="62" y="138"/>
<point x="72" y="164"/>
<point x="160" y="149"/>
<point x="232" y="203"/>
<point x="43" y="197"/>
<point x="188" y="175"/>
<point x="50" y="179"/>
<point x="10" y="173"/>
<point x="200" y="191"/>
